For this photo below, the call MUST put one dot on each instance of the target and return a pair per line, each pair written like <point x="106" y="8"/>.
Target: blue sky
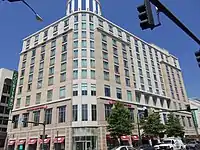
<point x="17" y="22"/>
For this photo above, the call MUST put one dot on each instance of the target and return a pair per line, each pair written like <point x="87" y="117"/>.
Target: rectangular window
<point x="91" y="27"/>
<point x="31" y="69"/>
<point x="92" y="63"/>
<point x="107" y="109"/>
<point x="62" y="92"/>
<point x="84" y="63"/>
<point x="92" y="35"/>
<point x="119" y="93"/>
<point x="61" y="114"/>
<point x="84" y="73"/>
<point x="131" y="114"/>
<point x="38" y="98"/>
<point x="83" y="34"/>
<point x="93" y="89"/>
<point x="189" y="121"/>
<point x="64" y="39"/>
<point x="75" y="54"/>
<point x="18" y="102"/>
<point x="94" y="113"/>
<point x="75" y="90"/>
<point x="92" y="44"/>
<point x="30" y="79"/>
<point x="75" y="64"/>
<point x="36" y="118"/>
<point x="28" y="98"/>
<point x="63" y="77"/>
<point x="53" y="44"/>
<point x="84" y="112"/>
<point x="64" y="57"/>
<point x="92" y="74"/>
<point x="15" y="124"/>
<point x="129" y="96"/>
<point x="41" y="65"/>
<point x="63" y="66"/>
<point x="83" y="26"/>
<point x="92" y="54"/>
<point x="84" y="44"/>
<point x="51" y="71"/>
<point x="84" y="88"/>
<point x="49" y="95"/>
<point x="64" y="48"/>
<point x="50" y="81"/>
<point x="75" y="74"/>
<point x="105" y="65"/>
<point x="75" y="112"/>
<point x="107" y="90"/>
<point x="39" y="84"/>
<point x="106" y="75"/>
<point x="84" y="52"/>
<point x="75" y="44"/>
<point x="25" y="118"/>
<point x="75" y="27"/>
<point x="48" y="116"/>
<point x="52" y="61"/>
<point x="75" y="35"/>
<point x="22" y="73"/>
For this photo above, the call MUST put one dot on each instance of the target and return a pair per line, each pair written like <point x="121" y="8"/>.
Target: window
<point x="53" y="44"/>
<point x="75" y="54"/>
<point x="76" y="18"/>
<point x="91" y="27"/>
<point x="93" y="89"/>
<point x="183" y="120"/>
<point x="189" y="121"/>
<point x="52" y="61"/>
<point x="108" y="109"/>
<point x="63" y="66"/>
<point x="83" y="34"/>
<point x="25" y="118"/>
<point x="66" y="23"/>
<point x="15" y="124"/>
<point x="105" y="65"/>
<point x="75" y="27"/>
<point x="75" y="90"/>
<point x="119" y="93"/>
<point x="84" y="17"/>
<point x="48" y="116"/>
<point x="90" y="18"/>
<point x="41" y="65"/>
<point x="64" y="48"/>
<point x="29" y="87"/>
<point x="61" y="114"/>
<point x="117" y="79"/>
<point x="83" y="26"/>
<point x="84" y="88"/>
<point x="62" y="92"/>
<point x="131" y="114"/>
<point x="64" y="57"/>
<point x="75" y="44"/>
<point x="32" y="61"/>
<point x="38" y="98"/>
<point x="84" y="44"/>
<point x="50" y="81"/>
<point x="129" y="96"/>
<point x="92" y="74"/>
<point x="43" y="48"/>
<point x="92" y="54"/>
<point x="75" y="74"/>
<point x="75" y="64"/>
<point x="91" y="44"/>
<point x="39" y="84"/>
<point x="94" y="112"/>
<point x="28" y="98"/>
<point x="51" y="71"/>
<point x="63" y="77"/>
<point x="18" y="102"/>
<point x="138" y="97"/>
<point x="84" y="63"/>
<point x="92" y="35"/>
<point x="64" y="39"/>
<point x="36" y="118"/>
<point x="84" y="112"/>
<point x="107" y="90"/>
<point x="84" y="73"/>
<point x="106" y="75"/>
<point x="49" y="95"/>
<point x="75" y="35"/>
<point x="75" y="112"/>
<point x="19" y="90"/>
<point x="92" y="63"/>
<point x="45" y="34"/>
<point x="42" y="57"/>
<point x="100" y="23"/>
<point x="30" y="79"/>
<point x="21" y="81"/>
<point x="84" y="52"/>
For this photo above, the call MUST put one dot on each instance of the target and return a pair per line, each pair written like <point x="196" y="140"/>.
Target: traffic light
<point x="197" y="54"/>
<point x="188" y="108"/>
<point x="45" y="137"/>
<point x="146" y="113"/>
<point x="145" y="15"/>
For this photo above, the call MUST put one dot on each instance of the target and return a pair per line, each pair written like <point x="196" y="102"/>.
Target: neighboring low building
<point x="5" y="86"/>
<point x="195" y="104"/>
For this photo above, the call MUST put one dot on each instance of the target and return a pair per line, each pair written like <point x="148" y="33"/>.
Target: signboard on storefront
<point x="12" y="90"/>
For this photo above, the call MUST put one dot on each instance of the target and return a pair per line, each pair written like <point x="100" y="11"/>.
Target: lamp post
<point x="37" y="16"/>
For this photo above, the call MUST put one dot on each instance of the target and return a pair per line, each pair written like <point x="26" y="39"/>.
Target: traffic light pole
<point x="163" y="9"/>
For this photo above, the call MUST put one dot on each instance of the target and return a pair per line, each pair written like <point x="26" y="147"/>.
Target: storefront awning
<point x="21" y="142"/>
<point x="11" y="142"/>
<point x="59" y="140"/>
<point x="125" y="138"/>
<point x="46" y="141"/>
<point x="32" y="141"/>
<point x="135" y="137"/>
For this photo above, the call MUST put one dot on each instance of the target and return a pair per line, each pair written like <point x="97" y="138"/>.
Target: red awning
<point x="32" y="141"/>
<point x="11" y="142"/>
<point x="21" y="142"/>
<point x="59" y="140"/>
<point x="46" y="141"/>
<point x="135" y="137"/>
<point x="125" y="138"/>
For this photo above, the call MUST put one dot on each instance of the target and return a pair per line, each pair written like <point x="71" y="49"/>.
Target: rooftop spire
<point x="87" y="5"/>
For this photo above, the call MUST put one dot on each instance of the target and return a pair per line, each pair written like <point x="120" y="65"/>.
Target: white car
<point x="124" y="148"/>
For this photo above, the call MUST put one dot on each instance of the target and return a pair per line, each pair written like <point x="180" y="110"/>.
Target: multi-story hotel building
<point x="77" y="67"/>
<point x="5" y="88"/>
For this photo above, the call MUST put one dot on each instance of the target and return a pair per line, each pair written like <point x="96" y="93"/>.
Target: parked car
<point x="124" y="148"/>
<point x="146" y="147"/>
<point x="193" y="145"/>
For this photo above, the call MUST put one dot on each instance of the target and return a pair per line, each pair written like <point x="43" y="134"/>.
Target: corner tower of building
<point x="83" y="5"/>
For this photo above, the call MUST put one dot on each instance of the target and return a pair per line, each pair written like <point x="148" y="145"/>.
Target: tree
<point x="173" y="126"/>
<point x="119" y="121"/>
<point x="152" y="125"/>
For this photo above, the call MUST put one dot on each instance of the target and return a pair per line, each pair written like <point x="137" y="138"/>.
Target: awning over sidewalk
<point x="21" y="142"/>
<point x="46" y="141"/>
<point x="125" y="138"/>
<point x="59" y="140"/>
<point x="11" y="142"/>
<point x="135" y="137"/>
<point x="32" y="141"/>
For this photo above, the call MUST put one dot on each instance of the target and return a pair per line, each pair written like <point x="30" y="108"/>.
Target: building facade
<point x="5" y="86"/>
<point x="72" y="71"/>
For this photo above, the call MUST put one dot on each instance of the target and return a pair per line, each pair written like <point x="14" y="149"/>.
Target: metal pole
<point x="140" y="141"/>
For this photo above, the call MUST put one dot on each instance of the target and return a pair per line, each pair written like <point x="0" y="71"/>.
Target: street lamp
<point x="37" y="16"/>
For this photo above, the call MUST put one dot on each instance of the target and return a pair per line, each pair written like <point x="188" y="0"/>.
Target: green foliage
<point x="152" y="125"/>
<point x="119" y="122"/>
<point x="173" y="127"/>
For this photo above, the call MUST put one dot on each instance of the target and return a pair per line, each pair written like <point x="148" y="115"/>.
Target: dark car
<point x="193" y="145"/>
<point x="146" y="147"/>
